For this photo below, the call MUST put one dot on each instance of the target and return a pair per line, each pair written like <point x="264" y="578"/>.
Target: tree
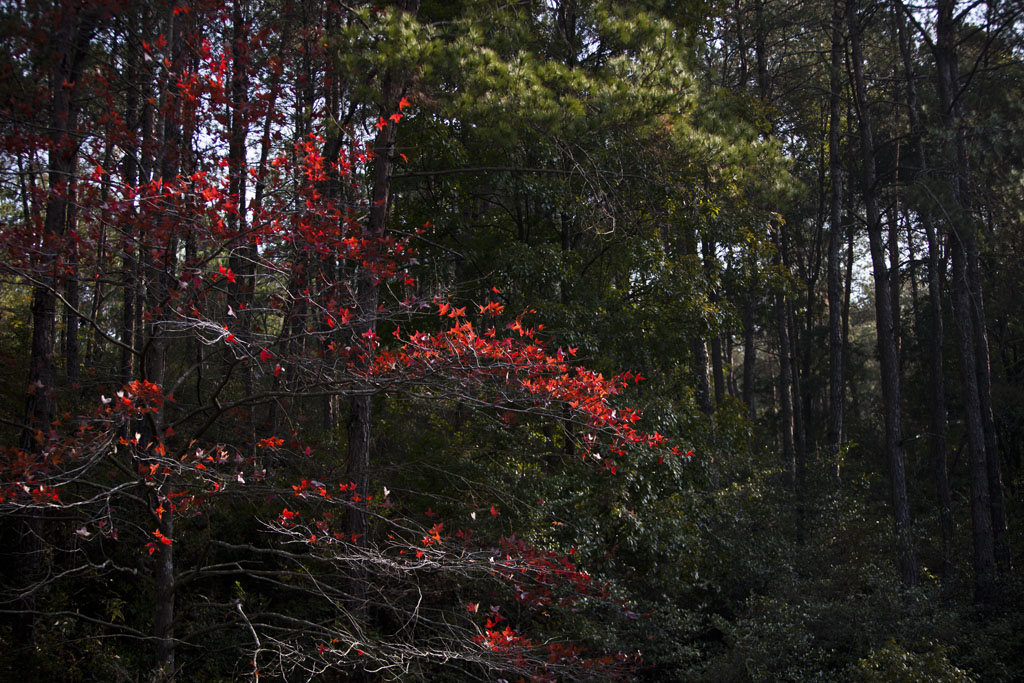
<point x="888" y="345"/>
<point x="270" y="300"/>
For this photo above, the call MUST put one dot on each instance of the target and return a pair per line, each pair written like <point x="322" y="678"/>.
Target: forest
<point x="532" y="340"/>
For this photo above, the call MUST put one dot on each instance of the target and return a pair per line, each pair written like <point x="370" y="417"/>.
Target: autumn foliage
<point x="213" y="243"/>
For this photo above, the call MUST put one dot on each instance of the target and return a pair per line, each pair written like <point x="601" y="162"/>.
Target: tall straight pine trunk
<point x="71" y="40"/>
<point x="885" y="316"/>
<point x="836" y="393"/>
<point x="937" y="416"/>
<point x="987" y="520"/>
<point x="368" y="296"/>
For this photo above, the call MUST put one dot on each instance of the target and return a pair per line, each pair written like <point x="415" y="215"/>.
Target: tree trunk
<point x="938" y="419"/>
<point x="988" y="422"/>
<point x="717" y="369"/>
<point x="981" y="519"/>
<point x="749" y="353"/>
<point x="895" y="281"/>
<point x="360" y="408"/>
<point x="963" y="244"/>
<point x="836" y="393"/>
<point x="71" y="42"/>
<point x="161" y="260"/>
<point x="885" y="318"/>
<point x="244" y="254"/>
<point x="71" y="291"/>
<point x="785" y="388"/>
<point x="799" y="432"/>
<point x="702" y="379"/>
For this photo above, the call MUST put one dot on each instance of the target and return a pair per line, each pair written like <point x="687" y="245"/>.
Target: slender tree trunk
<point x="243" y="256"/>
<point x="913" y="276"/>
<point x="885" y="318"/>
<point x="729" y="344"/>
<point x="836" y="348"/>
<point x="96" y="339"/>
<point x="938" y="407"/>
<point x="368" y="296"/>
<point x="785" y="385"/>
<point x="717" y="369"/>
<point x="699" y="348"/>
<point x="963" y="245"/>
<point x="981" y="516"/>
<point x="71" y="290"/>
<point x="749" y="353"/>
<point x="130" y="170"/>
<point x="847" y="291"/>
<point x="360" y="408"/>
<point x="938" y="419"/>
<point x="895" y="280"/>
<point x="162" y="262"/>
<point x="799" y="433"/>
<point x="72" y="36"/>
<point x="806" y="373"/>
<point x="983" y="368"/>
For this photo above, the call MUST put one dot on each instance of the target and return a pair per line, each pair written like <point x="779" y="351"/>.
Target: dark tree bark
<point x="717" y="368"/>
<point x="963" y="245"/>
<point x="699" y="349"/>
<point x="836" y="394"/>
<point x="895" y="279"/>
<point x="981" y="519"/>
<point x="785" y="385"/>
<point x="243" y="255"/>
<point x="937" y="414"/>
<point x="799" y="434"/>
<point x="885" y="317"/>
<point x="71" y="290"/>
<point x="71" y="40"/>
<point x="749" y="356"/>
<point x="360" y="407"/>
<point x="160" y="261"/>
<point x="782" y="307"/>
<point x="98" y="294"/>
<point x="992" y="457"/>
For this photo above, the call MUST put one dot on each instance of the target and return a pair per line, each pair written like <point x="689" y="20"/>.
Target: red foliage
<point x="273" y="280"/>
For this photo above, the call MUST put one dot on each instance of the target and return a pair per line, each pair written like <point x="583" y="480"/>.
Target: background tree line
<point x="329" y="328"/>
